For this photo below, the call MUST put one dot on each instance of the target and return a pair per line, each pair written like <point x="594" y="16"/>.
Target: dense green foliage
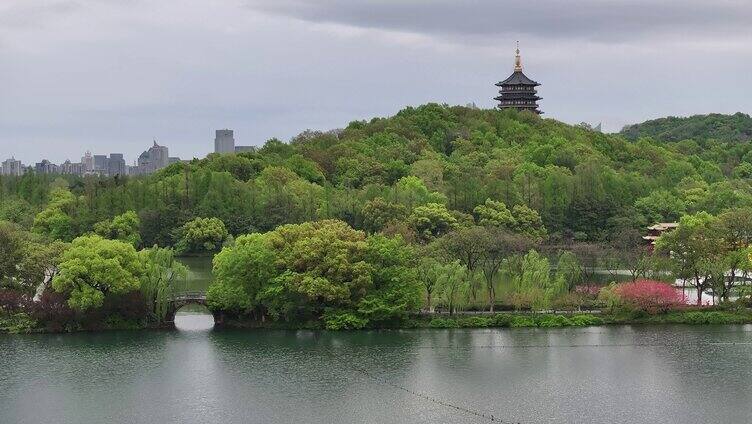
<point x="319" y="270"/>
<point x="398" y="174"/>
<point x="700" y="128"/>
<point x="437" y="207"/>
<point x="94" y="267"/>
<point x="201" y="235"/>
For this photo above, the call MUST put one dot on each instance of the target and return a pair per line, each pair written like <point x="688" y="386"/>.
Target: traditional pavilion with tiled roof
<point x="518" y="91"/>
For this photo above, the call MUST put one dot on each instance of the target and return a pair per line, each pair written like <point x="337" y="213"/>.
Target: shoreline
<point x="461" y="321"/>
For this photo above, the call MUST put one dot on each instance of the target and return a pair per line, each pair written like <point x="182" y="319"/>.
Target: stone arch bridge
<point x="179" y="300"/>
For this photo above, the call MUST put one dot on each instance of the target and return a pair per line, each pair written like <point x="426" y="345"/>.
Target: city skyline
<point x="128" y="72"/>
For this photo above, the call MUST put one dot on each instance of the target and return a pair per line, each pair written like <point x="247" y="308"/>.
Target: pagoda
<point x="518" y="91"/>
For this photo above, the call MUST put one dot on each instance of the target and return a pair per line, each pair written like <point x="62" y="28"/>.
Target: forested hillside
<point x="436" y="206"/>
<point x="373" y="175"/>
<point x="701" y="128"/>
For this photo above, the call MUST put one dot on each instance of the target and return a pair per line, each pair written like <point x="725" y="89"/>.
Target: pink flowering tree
<point x="649" y="295"/>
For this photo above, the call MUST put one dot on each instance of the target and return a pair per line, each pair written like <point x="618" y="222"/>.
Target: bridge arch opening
<point x="193" y="317"/>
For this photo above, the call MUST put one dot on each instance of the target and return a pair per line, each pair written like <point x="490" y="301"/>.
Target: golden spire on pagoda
<point x="518" y="59"/>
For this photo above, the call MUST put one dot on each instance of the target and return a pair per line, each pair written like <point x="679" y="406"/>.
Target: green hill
<point x="731" y="128"/>
<point x="374" y="174"/>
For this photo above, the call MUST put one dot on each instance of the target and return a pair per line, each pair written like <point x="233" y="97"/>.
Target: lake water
<point x="199" y="273"/>
<point x="627" y="374"/>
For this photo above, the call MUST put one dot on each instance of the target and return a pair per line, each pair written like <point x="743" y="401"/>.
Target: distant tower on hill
<point x="224" y="141"/>
<point x="518" y="91"/>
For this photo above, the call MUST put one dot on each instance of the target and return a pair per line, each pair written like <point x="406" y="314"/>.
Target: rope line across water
<point x="486" y="416"/>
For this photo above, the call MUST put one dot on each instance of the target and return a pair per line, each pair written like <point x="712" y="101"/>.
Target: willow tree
<point x="160" y="274"/>
<point x="452" y="284"/>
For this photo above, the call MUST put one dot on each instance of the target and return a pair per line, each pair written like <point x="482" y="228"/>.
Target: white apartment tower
<point x="12" y="167"/>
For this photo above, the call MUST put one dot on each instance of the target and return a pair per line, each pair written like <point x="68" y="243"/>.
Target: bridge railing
<point x="184" y="296"/>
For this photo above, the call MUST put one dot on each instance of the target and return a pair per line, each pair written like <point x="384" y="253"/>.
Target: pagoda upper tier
<point x="518" y="91"/>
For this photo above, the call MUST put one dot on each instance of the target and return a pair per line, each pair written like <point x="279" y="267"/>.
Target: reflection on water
<point x="627" y="374"/>
<point x="199" y="273"/>
<point x="194" y="321"/>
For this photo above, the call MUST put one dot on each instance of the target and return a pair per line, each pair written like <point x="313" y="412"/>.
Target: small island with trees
<point x="436" y="217"/>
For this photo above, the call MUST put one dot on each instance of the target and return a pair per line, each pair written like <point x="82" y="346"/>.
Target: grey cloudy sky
<point x="110" y="75"/>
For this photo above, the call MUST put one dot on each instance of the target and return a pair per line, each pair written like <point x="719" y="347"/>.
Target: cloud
<point x="109" y="75"/>
<point x="33" y="14"/>
<point x="593" y="20"/>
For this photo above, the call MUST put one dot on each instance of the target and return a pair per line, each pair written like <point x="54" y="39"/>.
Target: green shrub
<point x="519" y="321"/>
<point x="17" y="323"/>
<point x="704" y="318"/>
<point x="444" y="323"/>
<point x="476" y="322"/>
<point x="116" y="322"/>
<point x="502" y="320"/>
<point x="547" y="321"/>
<point x="585" y="320"/>
<point x="344" y="321"/>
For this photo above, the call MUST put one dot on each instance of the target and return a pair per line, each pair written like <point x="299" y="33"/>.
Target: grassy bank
<point x="21" y="323"/>
<point x="550" y="320"/>
<point x="542" y="320"/>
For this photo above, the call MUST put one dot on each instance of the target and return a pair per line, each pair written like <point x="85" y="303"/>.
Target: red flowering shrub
<point x="649" y="295"/>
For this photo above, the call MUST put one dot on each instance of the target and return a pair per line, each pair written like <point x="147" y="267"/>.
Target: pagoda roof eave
<point x="517" y="78"/>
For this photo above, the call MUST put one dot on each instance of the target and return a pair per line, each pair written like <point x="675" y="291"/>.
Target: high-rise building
<point x="157" y="157"/>
<point x="160" y="155"/>
<point x="518" y="91"/>
<point x="240" y="149"/>
<point x="12" y="167"/>
<point x="87" y="162"/>
<point x="224" y="141"/>
<point x="69" y="167"/>
<point x="46" y="167"/>
<point x="100" y="164"/>
<point x="116" y="165"/>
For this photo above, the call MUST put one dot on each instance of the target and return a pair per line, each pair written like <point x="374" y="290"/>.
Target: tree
<point x="123" y="227"/>
<point x="40" y="264"/>
<point x="26" y="259"/>
<point x="18" y="211"/>
<point x="201" y="235"/>
<point x="568" y="270"/>
<point x="650" y="296"/>
<point x="451" y="285"/>
<point x="521" y="219"/>
<point x="395" y="289"/>
<point x="528" y="223"/>
<point x="660" y="206"/>
<point x="55" y="221"/>
<point x="627" y="250"/>
<point x="321" y="270"/>
<point x="240" y="272"/>
<point x="377" y="213"/>
<point x="11" y="252"/>
<point x="467" y="245"/>
<point x="411" y="191"/>
<point x="735" y="228"/>
<point x="694" y="251"/>
<point x="429" y="273"/>
<point x="532" y="283"/>
<point x="93" y="268"/>
<point x="494" y="214"/>
<point x="160" y="273"/>
<point x="499" y="246"/>
<point x="431" y="220"/>
<point x="320" y="265"/>
<point x="590" y="256"/>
